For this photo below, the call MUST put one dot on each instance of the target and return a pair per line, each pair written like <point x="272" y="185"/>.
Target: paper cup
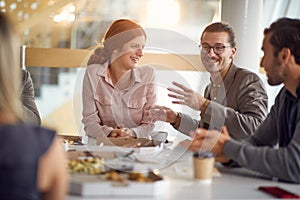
<point x="203" y="166"/>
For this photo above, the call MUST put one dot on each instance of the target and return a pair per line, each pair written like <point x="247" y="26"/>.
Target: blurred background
<point x="80" y="24"/>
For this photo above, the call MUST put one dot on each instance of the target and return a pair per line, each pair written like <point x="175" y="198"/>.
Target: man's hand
<point x="211" y="140"/>
<point x="186" y="96"/>
<point x="161" y="113"/>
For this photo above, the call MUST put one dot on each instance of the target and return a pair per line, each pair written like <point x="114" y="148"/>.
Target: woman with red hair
<point x="116" y="91"/>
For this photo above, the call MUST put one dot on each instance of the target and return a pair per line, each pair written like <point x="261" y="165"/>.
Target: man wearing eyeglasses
<point x="235" y="97"/>
<point x="281" y="62"/>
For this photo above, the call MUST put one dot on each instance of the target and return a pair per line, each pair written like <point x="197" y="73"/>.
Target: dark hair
<point x="120" y="32"/>
<point x="221" y="27"/>
<point x="285" y="34"/>
<point x="282" y="23"/>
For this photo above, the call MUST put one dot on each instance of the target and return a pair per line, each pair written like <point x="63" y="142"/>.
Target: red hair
<point x="119" y="32"/>
<point x="122" y="25"/>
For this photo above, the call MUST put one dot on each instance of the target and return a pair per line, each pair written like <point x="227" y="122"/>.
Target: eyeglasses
<point x="218" y="49"/>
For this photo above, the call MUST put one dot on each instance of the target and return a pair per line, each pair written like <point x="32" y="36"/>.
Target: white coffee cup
<point x="159" y="137"/>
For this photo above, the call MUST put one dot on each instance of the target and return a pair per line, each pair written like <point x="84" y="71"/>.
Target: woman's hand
<point x="122" y="131"/>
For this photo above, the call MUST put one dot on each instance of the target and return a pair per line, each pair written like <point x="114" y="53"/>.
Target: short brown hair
<point x="221" y="27"/>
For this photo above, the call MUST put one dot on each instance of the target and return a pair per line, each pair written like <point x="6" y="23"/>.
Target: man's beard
<point x="277" y="79"/>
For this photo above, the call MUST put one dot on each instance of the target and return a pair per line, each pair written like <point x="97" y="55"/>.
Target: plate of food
<point x="86" y="165"/>
<point x="114" y="183"/>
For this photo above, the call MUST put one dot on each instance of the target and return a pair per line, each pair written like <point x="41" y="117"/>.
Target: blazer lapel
<point x="226" y="84"/>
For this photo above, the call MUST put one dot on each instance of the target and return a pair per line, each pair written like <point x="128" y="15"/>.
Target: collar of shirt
<point x="135" y="74"/>
<point x="220" y="78"/>
<point x="292" y="97"/>
<point x="298" y="91"/>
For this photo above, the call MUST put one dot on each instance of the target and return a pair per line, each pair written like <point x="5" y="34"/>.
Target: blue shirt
<point x="257" y="152"/>
<point x="291" y="108"/>
<point x="21" y="147"/>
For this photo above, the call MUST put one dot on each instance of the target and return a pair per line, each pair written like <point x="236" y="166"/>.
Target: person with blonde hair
<point x="116" y="91"/>
<point x="32" y="161"/>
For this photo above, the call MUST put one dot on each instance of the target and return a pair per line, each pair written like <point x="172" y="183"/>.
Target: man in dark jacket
<point x="281" y="62"/>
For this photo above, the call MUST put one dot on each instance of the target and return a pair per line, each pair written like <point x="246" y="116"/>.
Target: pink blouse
<point x="105" y="106"/>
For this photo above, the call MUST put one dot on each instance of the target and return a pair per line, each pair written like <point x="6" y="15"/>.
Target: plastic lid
<point x="203" y="154"/>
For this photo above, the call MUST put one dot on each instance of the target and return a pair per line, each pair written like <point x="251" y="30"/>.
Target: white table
<point x="179" y="183"/>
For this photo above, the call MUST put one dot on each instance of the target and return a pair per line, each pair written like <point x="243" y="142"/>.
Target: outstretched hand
<point x="161" y="113"/>
<point x="186" y="96"/>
